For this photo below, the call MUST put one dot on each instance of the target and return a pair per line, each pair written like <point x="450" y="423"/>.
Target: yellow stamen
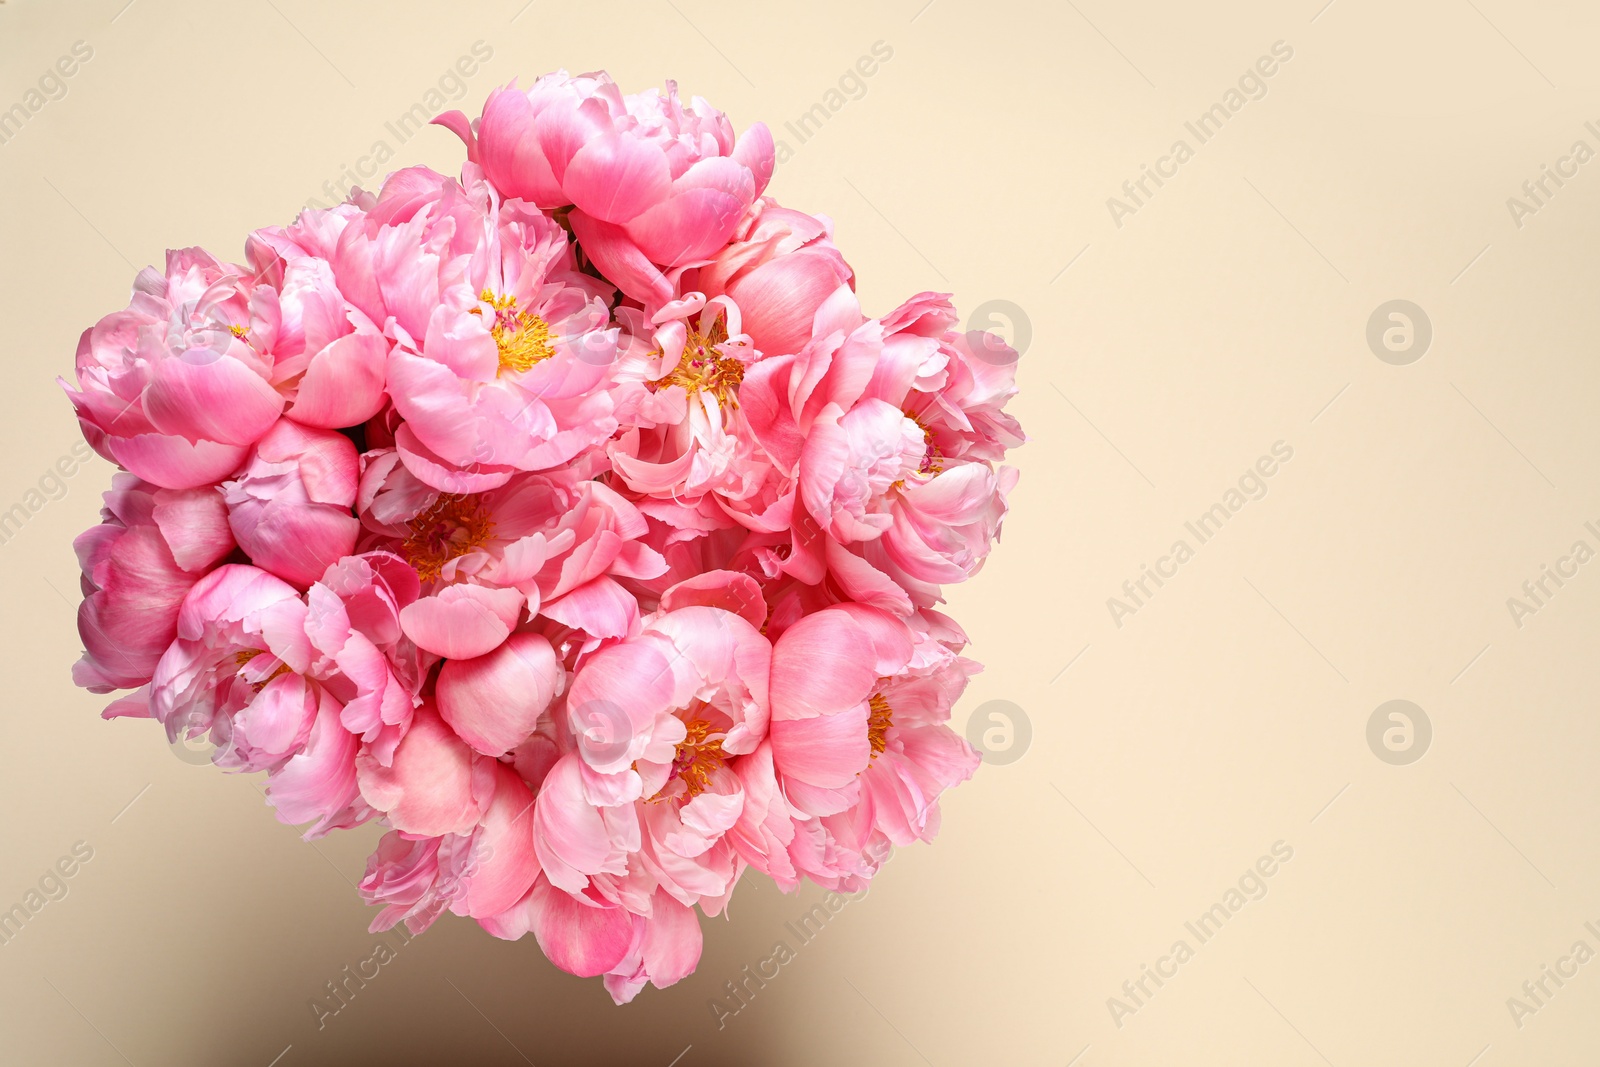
<point x="239" y="331"/>
<point x="522" y="337"/>
<point x="697" y="757"/>
<point x="878" y="723"/>
<point x="452" y="527"/>
<point x="702" y="367"/>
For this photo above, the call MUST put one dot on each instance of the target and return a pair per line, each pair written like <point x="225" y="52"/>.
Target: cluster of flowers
<point x="570" y="519"/>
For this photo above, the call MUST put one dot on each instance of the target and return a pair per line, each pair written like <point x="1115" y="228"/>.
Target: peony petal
<point x="581" y="939"/>
<point x="428" y="788"/>
<point x="175" y="463"/>
<point x="493" y="701"/>
<point x="615" y="177"/>
<point x="825" y="750"/>
<point x="505" y="839"/>
<point x="462" y="621"/>
<point x="214" y="399"/>
<point x="620" y="260"/>
<point x="818" y="669"/>
<point x="686" y="227"/>
<point x="343" y="385"/>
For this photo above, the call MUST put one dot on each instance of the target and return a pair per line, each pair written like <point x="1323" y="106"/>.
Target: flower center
<point x="932" y="459"/>
<point x="697" y="756"/>
<point x="244" y="656"/>
<point x="522" y="337"/>
<point x="453" y="526"/>
<point x="879" y="720"/>
<point x="702" y="367"/>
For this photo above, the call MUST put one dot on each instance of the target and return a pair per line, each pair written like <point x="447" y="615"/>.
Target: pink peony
<point x="329" y="356"/>
<point x="651" y="183"/>
<point x="779" y="268"/>
<point x="568" y="518"/>
<point x="290" y="507"/>
<point x="138" y="565"/>
<point x="173" y="388"/>
<point x="241" y="670"/>
<point x="502" y="373"/>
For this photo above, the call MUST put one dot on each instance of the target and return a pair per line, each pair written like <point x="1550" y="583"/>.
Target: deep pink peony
<point x="568" y="518"/>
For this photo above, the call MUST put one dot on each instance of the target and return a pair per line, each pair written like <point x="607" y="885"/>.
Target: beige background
<point x="1228" y="313"/>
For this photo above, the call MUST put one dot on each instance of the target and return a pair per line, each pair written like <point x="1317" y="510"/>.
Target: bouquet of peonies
<point x="569" y="519"/>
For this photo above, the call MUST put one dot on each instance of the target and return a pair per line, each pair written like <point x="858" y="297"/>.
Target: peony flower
<point x="363" y="654"/>
<point x="825" y="669"/>
<point x="171" y="388"/>
<point x="659" y="719"/>
<point x="138" y="565"/>
<point x="501" y="374"/>
<point x="891" y="467"/>
<point x="290" y="507"/>
<point x="779" y="268"/>
<point x="651" y="183"/>
<point x="687" y="437"/>
<point x="551" y="543"/>
<point x="329" y="355"/>
<point x="242" y="670"/>
<point x="916" y="755"/>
